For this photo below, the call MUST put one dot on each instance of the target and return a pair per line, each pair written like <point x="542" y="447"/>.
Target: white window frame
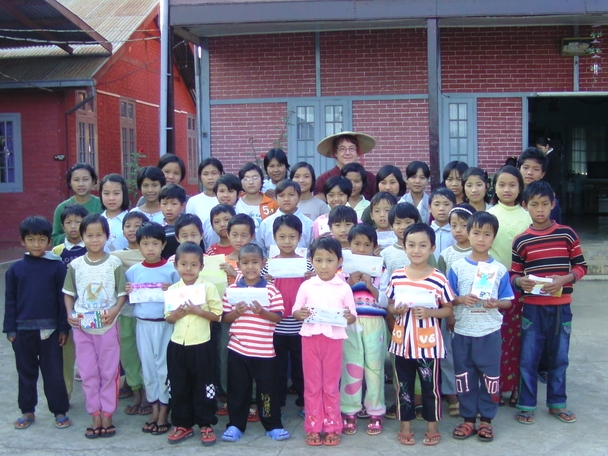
<point x="17" y="185"/>
<point x="128" y="138"/>
<point x="471" y="131"/>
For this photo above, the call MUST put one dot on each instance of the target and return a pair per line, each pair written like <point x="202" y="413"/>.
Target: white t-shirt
<point x="201" y="205"/>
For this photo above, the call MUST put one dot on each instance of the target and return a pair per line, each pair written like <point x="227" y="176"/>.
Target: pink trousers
<point x="322" y="365"/>
<point x="98" y="358"/>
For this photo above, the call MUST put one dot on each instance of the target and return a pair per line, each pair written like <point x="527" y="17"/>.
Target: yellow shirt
<point x="192" y="329"/>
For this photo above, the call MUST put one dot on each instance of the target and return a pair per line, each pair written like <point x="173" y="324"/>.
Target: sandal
<point x="464" y="431"/>
<point x="161" y="429"/>
<point x="24" y="422"/>
<point x="232" y="434"/>
<point x="145" y="409"/>
<point x="525" y="417"/>
<point x="223" y="410"/>
<point x="278" y="434"/>
<point x="92" y="433"/>
<point x="565" y="416"/>
<point x="132" y="409"/>
<point x="501" y="401"/>
<point x="406" y="439"/>
<point x="179" y="434"/>
<point x="363" y="413"/>
<point x="125" y="393"/>
<point x="253" y="417"/>
<point x="109" y="431"/>
<point x="313" y="439"/>
<point x="207" y="436"/>
<point x="349" y="425"/>
<point x="513" y="400"/>
<point x="485" y="432"/>
<point x="391" y="412"/>
<point x="431" y="439"/>
<point x="454" y="409"/>
<point x="148" y="427"/>
<point x="331" y="439"/>
<point x="375" y="425"/>
<point x="62" y="422"/>
<point x="292" y="390"/>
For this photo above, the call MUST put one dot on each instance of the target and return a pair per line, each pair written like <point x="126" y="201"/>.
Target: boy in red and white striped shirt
<point x="251" y="354"/>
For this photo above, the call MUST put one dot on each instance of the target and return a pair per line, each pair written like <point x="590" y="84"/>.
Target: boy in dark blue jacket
<point x="36" y="324"/>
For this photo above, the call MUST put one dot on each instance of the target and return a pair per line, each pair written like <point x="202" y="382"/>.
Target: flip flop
<point x="223" y="410"/>
<point x="93" y="433"/>
<point x="109" y="431"/>
<point x="23" y="422"/>
<point x="232" y="434"/>
<point x="62" y="422"/>
<point x="406" y="439"/>
<point x="184" y="433"/>
<point x="560" y="416"/>
<point x="145" y="409"/>
<point x="132" y="409"/>
<point x="278" y="434"/>
<point x="124" y="393"/>
<point x="161" y="429"/>
<point x="526" y="418"/>
<point x="207" y="436"/>
<point x="431" y="439"/>
<point x="148" y="427"/>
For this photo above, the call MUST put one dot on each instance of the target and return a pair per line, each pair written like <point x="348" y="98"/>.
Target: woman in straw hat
<point x="346" y="147"/>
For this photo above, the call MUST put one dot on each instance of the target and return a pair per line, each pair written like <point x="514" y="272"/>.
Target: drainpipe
<point x="164" y="74"/>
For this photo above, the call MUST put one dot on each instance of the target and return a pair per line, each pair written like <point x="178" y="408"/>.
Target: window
<point x="128" y="140"/>
<point x="192" y="151"/>
<point x="86" y="131"/>
<point x="459" y="132"/>
<point x="11" y="171"/>
<point x="589" y="151"/>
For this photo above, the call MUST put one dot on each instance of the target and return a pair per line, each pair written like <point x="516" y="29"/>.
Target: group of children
<point x="327" y="326"/>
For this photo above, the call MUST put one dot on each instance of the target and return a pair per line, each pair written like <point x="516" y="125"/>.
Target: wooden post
<point x="434" y="81"/>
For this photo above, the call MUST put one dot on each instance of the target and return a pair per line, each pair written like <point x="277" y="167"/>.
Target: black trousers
<point x="191" y="374"/>
<point x="242" y="371"/>
<point x="429" y="372"/>
<point x="33" y="354"/>
<point x="289" y="348"/>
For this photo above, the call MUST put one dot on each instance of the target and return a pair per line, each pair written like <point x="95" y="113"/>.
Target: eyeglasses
<point x="251" y="179"/>
<point x="349" y="149"/>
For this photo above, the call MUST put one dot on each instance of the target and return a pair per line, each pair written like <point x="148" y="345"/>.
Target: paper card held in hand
<point x="369" y="265"/>
<point x="323" y="315"/>
<point x="540" y="283"/>
<point x="273" y="251"/>
<point x="175" y="297"/>
<point x="146" y="292"/>
<point x="415" y="297"/>
<point x="485" y="280"/>
<point x="90" y="320"/>
<point x="247" y="295"/>
<point x="287" y="267"/>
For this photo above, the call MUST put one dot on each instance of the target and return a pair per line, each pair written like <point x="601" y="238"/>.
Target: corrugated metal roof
<point x="116" y="20"/>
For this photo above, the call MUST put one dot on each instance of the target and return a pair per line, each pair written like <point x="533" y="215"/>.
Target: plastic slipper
<point x="349" y="426"/>
<point x="145" y="409"/>
<point x="560" y="416"/>
<point x="148" y="427"/>
<point x="207" y="436"/>
<point x="363" y="413"/>
<point x="431" y="439"/>
<point x="331" y="439"/>
<point x="464" y="431"/>
<point x="62" y="422"/>
<point x="124" y="393"/>
<point x="253" y="417"/>
<point x="391" y="412"/>
<point x="109" y="431"/>
<point x="180" y="434"/>
<point x="278" y="434"/>
<point x="24" y="422"/>
<point x="375" y="425"/>
<point x="92" y="433"/>
<point x="406" y="439"/>
<point x="132" y="409"/>
<point x="454" y="409"/>
<point x="513" y="401"/>
<point x="485" y="432"/>
<point x="313" y="439"/>
<point x="232" y="434"/>
<point x="161" y="429"/>
<point x="223" y="410"/>
<point x="525" y="417"/>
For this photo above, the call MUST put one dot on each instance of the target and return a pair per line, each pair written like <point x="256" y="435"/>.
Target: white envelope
<point x="323" y="315"/>
<point x="146" y="295"/>
<point x="247" y="295"/>
<point x="415" y="297"/>
<point x="369" y="265"/>
<point x="287" y="267"/>
<point x="177" y="296"/>
<point x="273" y="251"/>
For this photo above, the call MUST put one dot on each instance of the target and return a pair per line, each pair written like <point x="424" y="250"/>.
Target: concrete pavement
<point x="587" y="377"/>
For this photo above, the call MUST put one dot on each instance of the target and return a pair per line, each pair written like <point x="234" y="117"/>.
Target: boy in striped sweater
<point x="552" y="251"/>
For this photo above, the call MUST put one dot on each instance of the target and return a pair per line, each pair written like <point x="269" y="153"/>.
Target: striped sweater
<point x="555" y="250"/>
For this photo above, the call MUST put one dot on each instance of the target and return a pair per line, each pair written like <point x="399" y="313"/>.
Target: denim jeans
<point x="545" y="328"/>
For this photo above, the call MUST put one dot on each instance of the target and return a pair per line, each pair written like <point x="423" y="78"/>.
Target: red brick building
<point x="110" y="59"/>
<point x="430" y="80"/>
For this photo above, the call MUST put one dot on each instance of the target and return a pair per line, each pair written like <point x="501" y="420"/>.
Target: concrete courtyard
<point x="587" y="377"/>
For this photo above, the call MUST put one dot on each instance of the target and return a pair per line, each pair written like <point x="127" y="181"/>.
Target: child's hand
<point x="110" y="315"/>
<point x="400" y="308"/>
<point x="11" y="339"/>
<point x="367" y="279"/>
<point x="256" y="307"/>
<point x="450" y="323"/>
<point x="166" y="286"/>
<point x="228" y="269"/>
<point x="468" y="300"/>
<point x="63" y="338"/>
<point x="178" y="313"/>
<point x="526" y="284"/>
<point x="241" y="308"/>
<point x="128" y="288"/>
<point x="556" y="285"/>
<point x="377" y="251"/>
<point x="74" y="322"/>
<point x="354" y="278"/>
<point x="268" y="278"/>
<point x="309" y="274"/>
<point x="490" y="303"/>
<point x="421" y="312"/>
<point x="301" y="314"/>
<point x="347" y="313"/>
